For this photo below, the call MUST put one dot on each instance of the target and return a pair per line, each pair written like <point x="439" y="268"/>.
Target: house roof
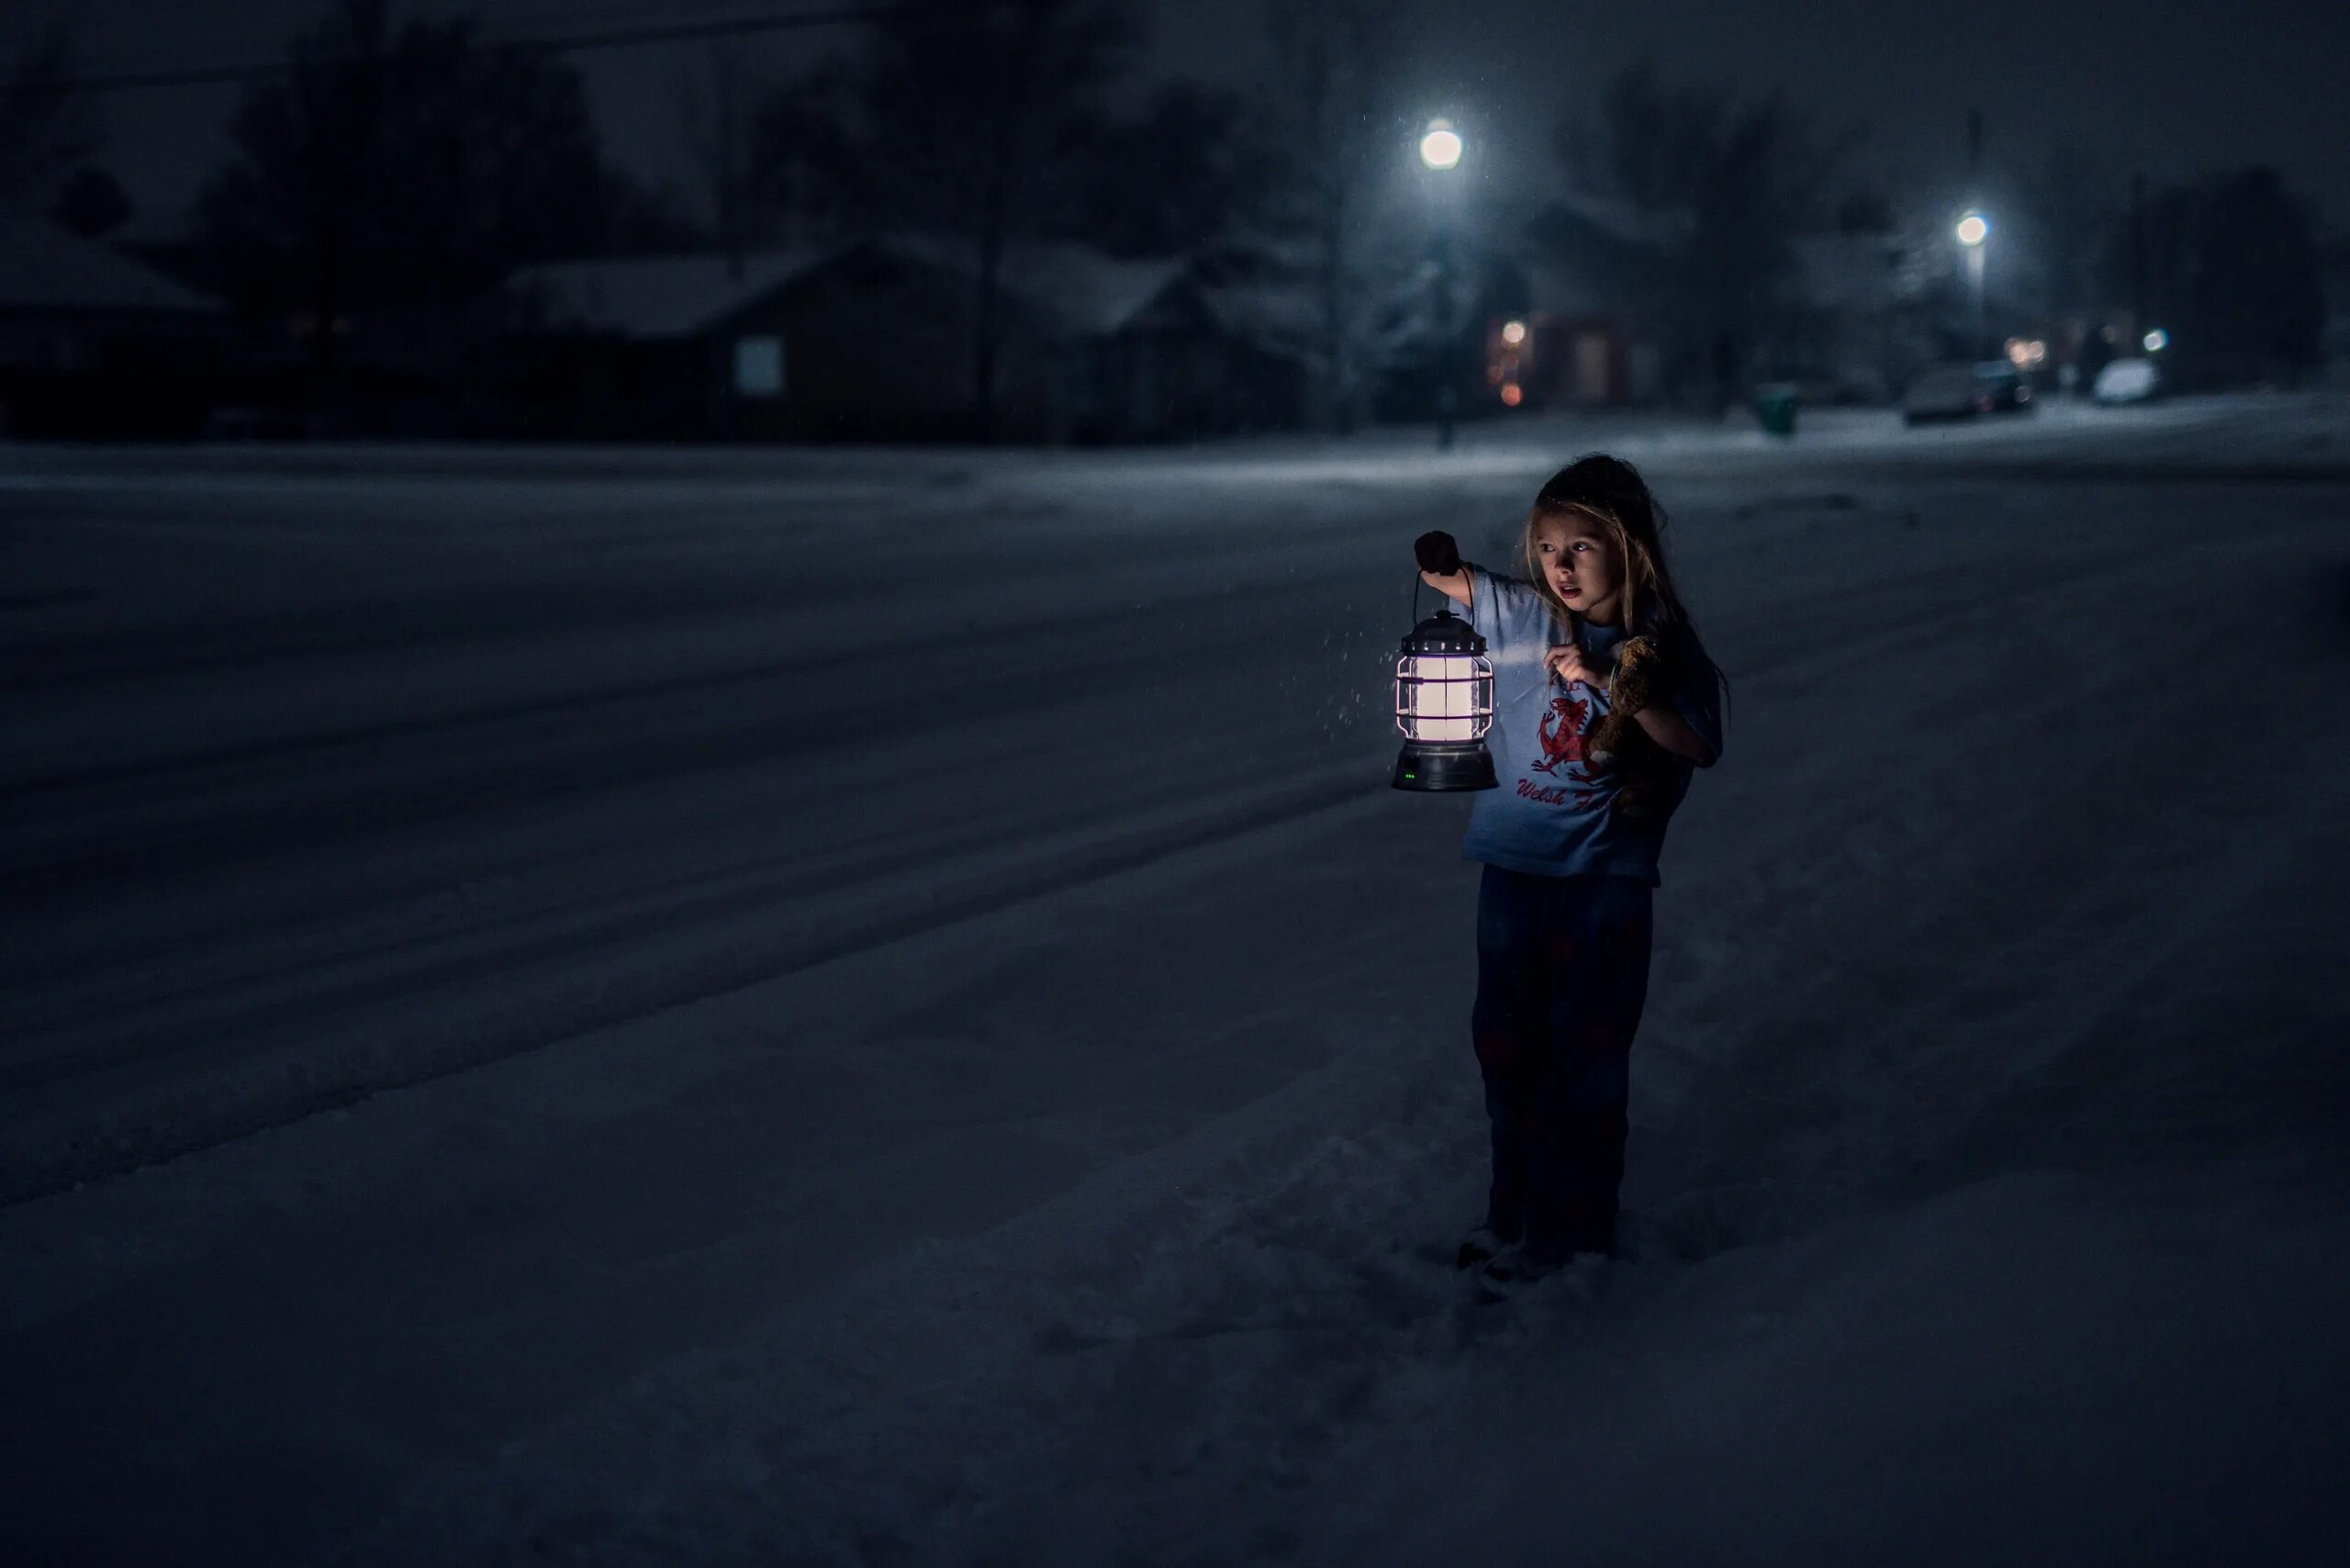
<point x="1280" y="318"/>
<point x="1846" y="272"/>
<point x="1074" y="288"/>
<point x="1581" y="217"/>
<point x="1560" y="286"/>
<point x="43" y="268"/>
<point x="655" y="297"/>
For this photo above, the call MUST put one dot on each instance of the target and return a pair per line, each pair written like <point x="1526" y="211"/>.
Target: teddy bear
<point x="1644" y="770"/>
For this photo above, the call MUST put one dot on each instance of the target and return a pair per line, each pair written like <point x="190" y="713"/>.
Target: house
<point x="1585" y="337"/>
<point x="1576" y="345"/>
<point x="1088" y="347"/>
<point x="879" y="339"/>
<point x="93" y="343"/>
<point x="2335" y="265"/>
<point x="654" y="347"/>
<point x="1851" y="335"/>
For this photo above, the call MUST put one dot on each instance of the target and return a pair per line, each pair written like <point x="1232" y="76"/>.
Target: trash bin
<point x="1775" y="406"/>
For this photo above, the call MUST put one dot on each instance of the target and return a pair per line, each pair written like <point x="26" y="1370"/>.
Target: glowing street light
<point x="1441" y="145"/>
<point x="1973" y="230"/>
<point x="1440" y="149"/>
<point x="2156" y="340"/>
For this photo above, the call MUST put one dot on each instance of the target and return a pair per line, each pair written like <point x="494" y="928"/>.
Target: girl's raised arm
<point x="1441" y="567"/>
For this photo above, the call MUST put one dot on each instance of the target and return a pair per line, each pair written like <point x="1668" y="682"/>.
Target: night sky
<point x="2176" y="87"/>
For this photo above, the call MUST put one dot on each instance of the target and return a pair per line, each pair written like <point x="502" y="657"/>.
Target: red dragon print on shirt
<point x="1561" y="741"/>
<point x="1561" y="733"/>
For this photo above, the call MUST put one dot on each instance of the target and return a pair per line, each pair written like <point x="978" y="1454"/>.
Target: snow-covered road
<point x="886" y="1014"/>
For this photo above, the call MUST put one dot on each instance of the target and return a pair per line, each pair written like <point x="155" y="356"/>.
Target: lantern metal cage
<point x="1444" y="705"/>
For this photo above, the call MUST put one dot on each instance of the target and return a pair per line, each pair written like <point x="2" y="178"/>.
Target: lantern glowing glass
<point x="1444" y="705"/>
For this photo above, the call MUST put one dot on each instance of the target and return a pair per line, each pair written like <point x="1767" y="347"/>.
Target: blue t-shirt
<point x="1554" y="815"/>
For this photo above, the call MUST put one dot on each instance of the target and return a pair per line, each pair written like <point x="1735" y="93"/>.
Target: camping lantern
<point x="1444" y="704"/>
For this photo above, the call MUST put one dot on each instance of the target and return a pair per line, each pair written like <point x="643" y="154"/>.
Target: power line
<point x="574" y="44"/>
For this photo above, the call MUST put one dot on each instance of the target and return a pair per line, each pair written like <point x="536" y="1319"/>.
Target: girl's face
<point x="1581" y="563"/>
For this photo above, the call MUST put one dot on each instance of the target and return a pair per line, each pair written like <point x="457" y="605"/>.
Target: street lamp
<point x="1441" y="151"/>
<point x="1973" y="230"/>
<point x="1441" y="145"/>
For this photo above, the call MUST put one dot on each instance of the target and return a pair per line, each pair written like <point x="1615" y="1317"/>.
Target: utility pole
<point x="2137" y="255"/>
<point x="1976" y="259"/>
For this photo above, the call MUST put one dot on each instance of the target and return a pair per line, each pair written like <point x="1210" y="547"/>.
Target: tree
<point x="714" y="107"/>
<point x="2071" y="202"/>
<point x="639" y="220"/>
<point x="2157" y="276"/>
<point x="1325" y="125"/>
<point x="400" y="166"/>
<point x="970" y="123"/>
<point x="806" y="139"/>
<point x="47" y="129"/>
<point x="1866" y="211"/>
<point x="1174" y="176"/>
<point x="1724" y="186"/>
<point x="91" y="203"/>
<point x="2260" y="291"/>
<point x="2232" y="271"/>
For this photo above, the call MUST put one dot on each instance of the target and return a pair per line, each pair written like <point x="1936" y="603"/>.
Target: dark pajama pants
<point x="1562" y="974"/>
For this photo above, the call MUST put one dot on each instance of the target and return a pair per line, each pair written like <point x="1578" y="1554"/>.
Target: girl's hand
<point x="1567" y="663"/>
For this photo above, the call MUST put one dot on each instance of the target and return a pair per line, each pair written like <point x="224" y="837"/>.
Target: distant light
<point x="2027" y="354"/>
<point x="1513" y="332"/>
<point x="1973" y="228"/>
<point x="1441" y="145"/>
<point x="2156" y="340"/>
<point x="1512" y="394"/>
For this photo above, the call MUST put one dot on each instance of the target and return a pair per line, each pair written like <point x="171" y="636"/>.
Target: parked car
<point x="1962" y="391"/>
<point x="2010" y="392"/>
<point x="2128" y="381"/>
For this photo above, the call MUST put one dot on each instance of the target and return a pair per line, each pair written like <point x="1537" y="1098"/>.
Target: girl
<point x="1562" y="911"/>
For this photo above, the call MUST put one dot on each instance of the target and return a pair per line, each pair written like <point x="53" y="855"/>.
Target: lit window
<point x="758" y="367"/>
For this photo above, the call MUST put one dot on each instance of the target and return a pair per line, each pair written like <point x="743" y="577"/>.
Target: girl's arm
<point x="1454" y="586"/>
<point x="1671" y="731"/>
<point x="1441" y="567"/>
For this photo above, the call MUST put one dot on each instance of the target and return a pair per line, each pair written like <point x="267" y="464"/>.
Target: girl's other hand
<point x="1567" y="663"/>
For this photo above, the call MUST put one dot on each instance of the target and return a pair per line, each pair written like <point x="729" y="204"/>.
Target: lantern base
<point x="1441" y="767"/>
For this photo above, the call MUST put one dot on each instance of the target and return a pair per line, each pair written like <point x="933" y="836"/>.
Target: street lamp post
<point x="1972" y="231"/>
<point x="1441" y="151"/>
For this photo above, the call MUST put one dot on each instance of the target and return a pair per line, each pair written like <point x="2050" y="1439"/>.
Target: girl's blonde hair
<point x="1610" y="495"/>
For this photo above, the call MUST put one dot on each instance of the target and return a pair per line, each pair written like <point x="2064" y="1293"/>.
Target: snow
<point x="48" y="270"/>
<point x="884" y="1012"/>
<point x="657" y="298"/>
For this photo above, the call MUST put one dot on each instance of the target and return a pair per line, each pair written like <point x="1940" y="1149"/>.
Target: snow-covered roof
<point x="1846" y="272"/>
<point x="1573" y="213"/>
<point x="42" y="267"/>
<point x="655" y="297"/>
<point x="1557" y="286"/>
<point x="1075" y="287"/>
<point x="1281" y="318"/>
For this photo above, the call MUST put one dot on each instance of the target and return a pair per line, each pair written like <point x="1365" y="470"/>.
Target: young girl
<point x="1562" y="912"/>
